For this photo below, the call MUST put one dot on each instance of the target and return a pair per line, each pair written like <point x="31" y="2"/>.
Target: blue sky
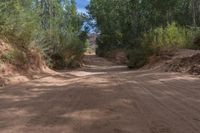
<point x="81" y="4"/>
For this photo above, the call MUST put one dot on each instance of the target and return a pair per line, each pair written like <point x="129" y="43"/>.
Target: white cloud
<point x="82" y="10"/>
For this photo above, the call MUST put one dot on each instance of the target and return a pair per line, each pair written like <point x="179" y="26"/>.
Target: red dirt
<point x="17" y="72"/>
<point x="183" y="60"/>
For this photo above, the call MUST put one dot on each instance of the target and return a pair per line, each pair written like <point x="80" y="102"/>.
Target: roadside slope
<point x="182" y="60"/>
<point x="18" y="65"/>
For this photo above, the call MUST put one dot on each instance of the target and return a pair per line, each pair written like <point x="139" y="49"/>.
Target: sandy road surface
<point x="102" y="98"/>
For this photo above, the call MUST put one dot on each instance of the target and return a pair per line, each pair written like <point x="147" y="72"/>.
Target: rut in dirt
<point x="102" y="97"/>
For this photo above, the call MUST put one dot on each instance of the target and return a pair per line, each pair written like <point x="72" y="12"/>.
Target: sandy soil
<point x="181" y="60"/>
<point x="102" y="98"/>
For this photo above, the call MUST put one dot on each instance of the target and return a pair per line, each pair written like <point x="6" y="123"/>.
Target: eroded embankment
<point x="183" y="60"/>
<point x="19" y="65"/>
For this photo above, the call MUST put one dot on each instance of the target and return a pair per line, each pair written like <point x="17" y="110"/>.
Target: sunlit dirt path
<point x="102" y="98"/>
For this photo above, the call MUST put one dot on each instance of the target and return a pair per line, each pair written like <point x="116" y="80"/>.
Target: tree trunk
<point x="194" y="13"/>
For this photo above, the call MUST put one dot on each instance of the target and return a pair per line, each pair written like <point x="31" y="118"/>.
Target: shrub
<point x="25" y="22"/>
<point x="73" y="52"/>
<point x="20" y="57"/>
<point x="107" y="43"/>
<point x="60" y="50"/>
<point x="162" y="39"/>
<point x="196" y="43"/>
<point x="194" y="38"/>
<point x="7" y="57"/>
<point x="15" y="57"/>
<point x="102" y="45"/>
<point x="169" y="38"/>
<point x="136" y="57"/>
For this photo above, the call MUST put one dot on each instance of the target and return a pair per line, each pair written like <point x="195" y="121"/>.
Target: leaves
<point x="123" y="23"/>
<point x="52" y="24"/>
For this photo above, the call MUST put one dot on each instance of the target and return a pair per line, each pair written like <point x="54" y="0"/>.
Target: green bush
<point x="62" y="51"/>
<point x="73" y="52"/>
<point x="15" y="57"/>
<point x="102" y="45"/>
<point x="7" y="57"/>
<point x="194" y="38"/>
<point x="136" y="58"/>
<point x="24" y="23"/>
<point x="107" y="43"/>
<point x="162" y="39"/>
<point x="169" y="38"/>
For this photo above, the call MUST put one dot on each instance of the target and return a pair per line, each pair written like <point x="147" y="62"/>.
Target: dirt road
<point x="102" y="98"/>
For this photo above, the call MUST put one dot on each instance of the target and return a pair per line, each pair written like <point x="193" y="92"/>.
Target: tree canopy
<point x="124" y="23"/>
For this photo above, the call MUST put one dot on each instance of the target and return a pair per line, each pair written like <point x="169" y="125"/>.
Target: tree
<point x="124" y="23"/>
<point x="52" y="24"/>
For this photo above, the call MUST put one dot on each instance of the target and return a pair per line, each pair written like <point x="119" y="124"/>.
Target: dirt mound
<point x="189" y="64"/>
<point x="18" y="65"/>
<point x="183" y="60"/>
<point x="158" y="61"/>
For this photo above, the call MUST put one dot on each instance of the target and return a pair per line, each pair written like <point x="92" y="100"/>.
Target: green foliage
<point x="73" y="52"/>
<point x="193" y="38"/>
<point x="17" y="24"/>
<point x="15" y="56"/>
<point x="51" y="26"/>
<point x="145" y="27"/>
<point x="162" y="39"/>
<point x="104" y="43"/>
<point x="136" y="58"/>
<point x="7" y="57"/>
<point x="169" y="38"/>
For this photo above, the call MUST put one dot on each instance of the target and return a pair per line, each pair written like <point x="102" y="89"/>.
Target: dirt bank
<point x="182" y="60"/>
<point x="19" y="65"/>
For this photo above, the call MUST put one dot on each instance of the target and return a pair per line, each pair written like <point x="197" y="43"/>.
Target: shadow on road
<point x="102" y="99"/>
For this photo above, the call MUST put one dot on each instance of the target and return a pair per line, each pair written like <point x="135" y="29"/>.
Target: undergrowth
<point x="162" y="39"/>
